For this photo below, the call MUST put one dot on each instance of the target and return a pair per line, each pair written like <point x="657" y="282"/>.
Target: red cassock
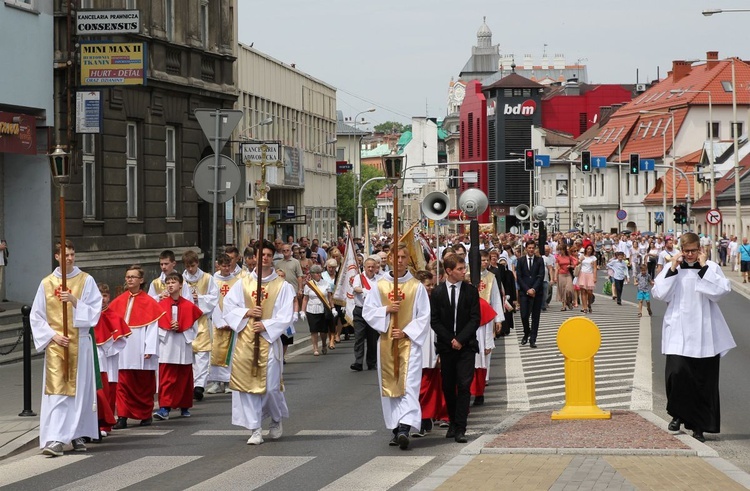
<point x="175" y="380"/>
<point x="431" y="398"/>
<point x="136" y="388"/>
<point x="110" y="326"/>
<point x="486" y="315"/>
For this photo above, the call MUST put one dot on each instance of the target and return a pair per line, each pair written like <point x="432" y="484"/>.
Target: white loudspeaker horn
<point x="473" y="202"/>
<point x="435" y="205"/>
<point x="540" y="212"/>
<point x="522" y="212"/>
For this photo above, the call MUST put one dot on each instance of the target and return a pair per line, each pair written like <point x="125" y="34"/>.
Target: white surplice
<point x="207" y="303"/>
<point x="64" y="418"/>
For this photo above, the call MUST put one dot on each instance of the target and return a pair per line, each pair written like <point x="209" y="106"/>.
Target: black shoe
<point x="674" y="425"/>
<point x="533" y="345"/>
<point x="393" y="442"/>
<point x="451" y="433"/>
<point x="460" y="437"/>
<point x="524" y="340"/>
<point x="198" y="393"/>
<point x="121" y="424"/>
<point x="355" y="367"/>
<point x="479" y="401"/>
<point x="372" y="367"/>
<point x="619" y="303"/>
<point x="147" y="422"/>
<point x="427" y="424"/>
<point x="698" y="435"/>
<point x="403" y="436"/>
<point x="346" y="337"/>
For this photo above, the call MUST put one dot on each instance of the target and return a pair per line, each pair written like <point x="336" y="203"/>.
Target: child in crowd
<point x="177" y="331"/>
<point x="644" y="282"/>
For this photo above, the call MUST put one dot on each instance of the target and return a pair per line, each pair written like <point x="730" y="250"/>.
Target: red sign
<point x="17" y="133"/>
<point x="342" y="167"/>
<point x="456" y="215"/>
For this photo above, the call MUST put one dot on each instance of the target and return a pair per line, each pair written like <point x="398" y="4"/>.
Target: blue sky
<point x="399" y="56"/>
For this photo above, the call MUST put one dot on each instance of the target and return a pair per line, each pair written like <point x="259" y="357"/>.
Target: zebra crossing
<point x="535" y="378"/>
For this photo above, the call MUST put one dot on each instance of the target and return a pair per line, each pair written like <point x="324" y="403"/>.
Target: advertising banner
<point x="294" y="170"/>
<point x="17" y="133"/>
<point x="89" y="111"/>
<point x="107" y="64"/>
<point x="96" y="22"/>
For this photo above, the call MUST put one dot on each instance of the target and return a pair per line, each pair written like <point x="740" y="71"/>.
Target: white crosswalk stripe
<point x="379" y="473"/>
<point x="130" y="473"/>
<point x="536" y="377"/>
<point x="262" y="469"/>
<point x="23" y="469"/>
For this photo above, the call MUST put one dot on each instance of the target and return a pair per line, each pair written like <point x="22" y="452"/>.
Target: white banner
<point x="96" y="22"/>
<point x="253" y="152"/>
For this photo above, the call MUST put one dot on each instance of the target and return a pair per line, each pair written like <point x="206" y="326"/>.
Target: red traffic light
<point x="529" y="154"/>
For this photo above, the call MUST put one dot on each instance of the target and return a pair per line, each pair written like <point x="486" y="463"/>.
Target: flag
<point x="348" y="278"/>
<point x="367" y="235"/>
<point x="426" y="247"/>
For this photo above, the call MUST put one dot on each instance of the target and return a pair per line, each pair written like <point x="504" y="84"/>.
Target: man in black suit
<point x="530" y="273"/>
<point x="455" y="320"/>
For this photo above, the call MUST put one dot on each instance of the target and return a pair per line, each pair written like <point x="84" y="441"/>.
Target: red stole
<point x="145" y="310"/>
<point x="187" y="314"/>
<point x="110" y="326"/>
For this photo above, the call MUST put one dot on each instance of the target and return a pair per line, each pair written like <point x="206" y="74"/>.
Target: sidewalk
<point x="633" y="450"/>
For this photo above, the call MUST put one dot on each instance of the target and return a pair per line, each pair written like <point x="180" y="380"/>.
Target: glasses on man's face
<point x="691" y="251"/>
<point x="132" y="277"/>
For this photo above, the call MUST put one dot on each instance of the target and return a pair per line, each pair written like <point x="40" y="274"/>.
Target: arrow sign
<point x="542" y="161"/>
<point x="599" y="162"/>
<point x="228" y="121"/>
<point x="713" y="217"/>
<point x="647" y="164"/>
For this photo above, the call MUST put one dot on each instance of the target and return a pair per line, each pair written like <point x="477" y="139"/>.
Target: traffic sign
<point x="228" y="179"/>
<point x="622" y="214"/>
<point x="648" y="164"/>
<point x="542" y="161"/>
<point x="342" y="166"/>
<point x="713" y="217"/>
<point x="228" y="121"/>
<point x="659" y="215"/>
<point x="599" y="162"/>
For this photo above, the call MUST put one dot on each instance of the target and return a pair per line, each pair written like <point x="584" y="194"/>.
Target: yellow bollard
<point x="579" y="339"/>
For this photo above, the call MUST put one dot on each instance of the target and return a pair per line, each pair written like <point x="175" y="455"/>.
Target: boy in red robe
<point x="177" y="331"/>
<point x="110" y="334"/>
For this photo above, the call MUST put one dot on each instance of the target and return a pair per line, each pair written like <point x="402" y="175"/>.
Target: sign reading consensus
<point x="105" y="64"/>
<point x="93" y="22"/>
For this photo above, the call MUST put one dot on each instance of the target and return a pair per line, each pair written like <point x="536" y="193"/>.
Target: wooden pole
<point x="394" y="316"/>
<point x="262" y="206"/>
<point x="64" y="285"/>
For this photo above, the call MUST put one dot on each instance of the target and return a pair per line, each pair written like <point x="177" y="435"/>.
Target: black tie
<point x="529" y="265"/>
<point x="453" y="306"/>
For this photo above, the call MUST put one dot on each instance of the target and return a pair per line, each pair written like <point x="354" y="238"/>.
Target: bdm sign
<point x="106" y="64"/>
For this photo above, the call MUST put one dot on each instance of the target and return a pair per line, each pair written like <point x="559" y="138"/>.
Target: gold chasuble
<point x="55" y="383"/>
<point x="242" y="378"/>
<point x="221" y="353"/>
<point x="485" y="286"/>
<point x="394" y="386"/>
<point x="159" y="286"/>
<point x="202" y="341"/>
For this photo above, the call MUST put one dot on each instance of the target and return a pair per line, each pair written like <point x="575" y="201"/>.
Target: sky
<point x="399" y="56"/>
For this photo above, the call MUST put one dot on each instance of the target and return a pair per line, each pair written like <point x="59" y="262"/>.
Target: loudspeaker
<point x="522" y="212"/>
<point x="540" y="212"/>
<point x="473" y="202"/>
<point x="435" y="206"/>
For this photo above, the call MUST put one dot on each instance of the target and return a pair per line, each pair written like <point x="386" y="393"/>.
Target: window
<point x="89" y="176"/>
<point x="131" y="169"/>
<point x="131" y="4"/>
<point x="169" y="19"/>
<point x="22" y="4"/>
<point x="726" y="85"/>
<point x="171" y="173"/>
<point x="340" y="153"/>
<point x="739" y="130"/>
<point x="712" y="127"/>
<point x="204" y="23"/>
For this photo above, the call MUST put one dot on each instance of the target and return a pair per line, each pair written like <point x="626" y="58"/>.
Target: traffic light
<point x="586" y="161"/>
<point x="388" y="223"/>
<point x="635" y="163"/>
<point x="529" y="156"/>
<point x="680" y="215"/>
<point x="452" y="178"/>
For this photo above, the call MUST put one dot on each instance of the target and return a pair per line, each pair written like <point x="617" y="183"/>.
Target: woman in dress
<point x="587" y="278"/>
<point x="563" y="271"/>
<point x="314" y="310"/>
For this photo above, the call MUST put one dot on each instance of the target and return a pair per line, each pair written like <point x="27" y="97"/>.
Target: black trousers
<point x="619" y="285"/>
<point x="457" y="369"/>
<point x="364" y="336"/>
<point x="692" y="386"/>
<point x="530" y="306"/>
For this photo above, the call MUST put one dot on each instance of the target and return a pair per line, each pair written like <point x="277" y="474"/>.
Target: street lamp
<point x="358" y="167"/>
<point x="710" y="12"/>
<point x="265" y="122"/>
<point x="714" y="228"/>
<point x="674" y="168"/>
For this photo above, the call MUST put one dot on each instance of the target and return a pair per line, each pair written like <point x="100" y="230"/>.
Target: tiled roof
<point x="555" y="138"/>
<point x="692" y="157"/>
<point x="612" y="134"/>
<point x="656" y="196"/>
<point x="512" y="81"/>
<point x="722" y="184"/>
<point x="346" y="129"/>
<point x="651" y="136"/>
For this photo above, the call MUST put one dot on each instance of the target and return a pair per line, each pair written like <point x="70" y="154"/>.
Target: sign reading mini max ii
<point x="113" y="64"/>
<point x="95" y="22"/>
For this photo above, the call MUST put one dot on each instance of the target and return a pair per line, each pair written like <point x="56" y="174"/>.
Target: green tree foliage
<point x="347" y="195"/>
<point x="389" y="127"/>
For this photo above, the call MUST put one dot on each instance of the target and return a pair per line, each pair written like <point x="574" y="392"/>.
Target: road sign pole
<point x="215" y="221"/>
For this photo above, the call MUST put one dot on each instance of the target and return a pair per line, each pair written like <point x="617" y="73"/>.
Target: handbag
<point x="607" y="288"/>
<point x="328" y="314"/>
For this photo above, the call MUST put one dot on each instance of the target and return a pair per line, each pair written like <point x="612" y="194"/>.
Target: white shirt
<point x="458" y="293"/>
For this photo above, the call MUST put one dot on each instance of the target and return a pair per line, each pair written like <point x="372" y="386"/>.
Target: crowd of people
<point x="428" y="332"/>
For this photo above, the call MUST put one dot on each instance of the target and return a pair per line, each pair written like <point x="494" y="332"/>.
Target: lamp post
<point x="59" y="161"/>
<point x="710" y="12"/>
<point x="264" y="122"/>
<point x="358" y="168"/>
<point x="712" y="161"/>
<point x="674" y="166"/>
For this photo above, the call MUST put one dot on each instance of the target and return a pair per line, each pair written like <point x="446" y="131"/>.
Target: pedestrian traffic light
<point x="586" y="161"/>
<point x="452" y="178"/>
<point x="677" y="214"/>
<point x="529" y="156"/>
<point x="635" y="163"/>
<point x="683" y="214"/>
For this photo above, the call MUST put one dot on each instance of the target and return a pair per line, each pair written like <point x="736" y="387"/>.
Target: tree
<point x="389" y="127"/>
<point x="347" y="196"/>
